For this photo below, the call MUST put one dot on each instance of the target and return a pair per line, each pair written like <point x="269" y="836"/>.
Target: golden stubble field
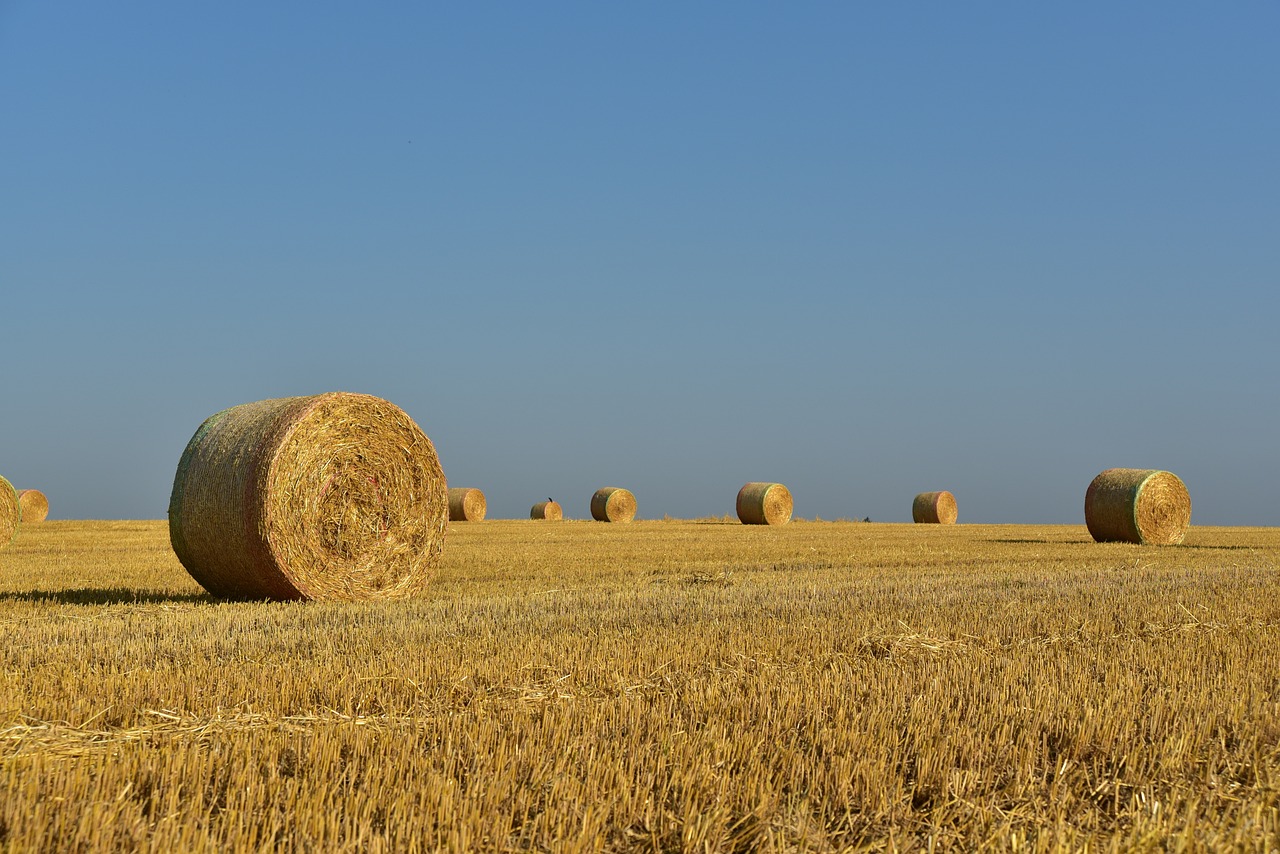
<point x="665" y="686"/>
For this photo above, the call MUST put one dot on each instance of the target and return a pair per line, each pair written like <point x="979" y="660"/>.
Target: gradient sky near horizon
<point x="866" y="250"/>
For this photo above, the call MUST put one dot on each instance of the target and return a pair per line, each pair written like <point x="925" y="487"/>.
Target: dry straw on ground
<point x="764" y="504"/>
<point x="10" y="513"/>
<point x="938" y="508"/>
<point x="1137" y="506"/>
<point x="332" y="496"/>
<point x="34" y="505"/>
<point x="548" y="510"/>
<point x="613" y="504"/>
<point x="466" y="505"/>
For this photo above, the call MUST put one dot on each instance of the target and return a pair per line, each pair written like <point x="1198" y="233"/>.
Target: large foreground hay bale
<point x="10" y="513"/>
<point x="938" y="508"/>
<point x="466" y="505"/>
<point x="332" y="496"/>
<point x="33" y="504"/>
<point x="548" y="510"/>
<point x="764" y="504"/>
<point x="1137" y="506"/>
<point x="613" y="504"/>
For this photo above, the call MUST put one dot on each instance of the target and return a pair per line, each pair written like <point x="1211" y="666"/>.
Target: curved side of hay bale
<point x="547" y="510"/>
<point x="937" y="508"/>
<point x="764" y="504"/>
<point x="1145" y="506"/>
<point x="33" y="504"/>
<point x="10" y="513"/>
<point x="331" y="496"/>
<point x="613" y="504"/>
<point x="466" y="505"/>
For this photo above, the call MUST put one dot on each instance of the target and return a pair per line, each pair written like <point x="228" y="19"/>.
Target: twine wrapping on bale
<point x="764" y="504"/>
<point x="548" y="510"/>
<point x="10" y="512"/>
<point x="613" y="504"/>
<point x="332" y="496"/>
<point x="938" y="508"/>
<point x="466" y="505"/>
<point x="33" y="504"/>
<point x="1144" y="506"/>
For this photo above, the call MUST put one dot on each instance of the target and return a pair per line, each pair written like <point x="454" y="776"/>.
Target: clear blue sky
<point x="863" y="249"/>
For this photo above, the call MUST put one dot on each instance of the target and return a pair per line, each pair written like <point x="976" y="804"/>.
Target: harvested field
<point x="654" y="686"/>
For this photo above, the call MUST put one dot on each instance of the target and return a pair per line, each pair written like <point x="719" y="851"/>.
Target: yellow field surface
<point x="673" y="686"/>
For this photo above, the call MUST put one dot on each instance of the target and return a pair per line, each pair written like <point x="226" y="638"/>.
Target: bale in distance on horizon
<point x="613" y="504"/>
<point x="10" y="512"/>
<point x="1144" y="506"/>
<point x="466" y="505"/>
<point x="33" y="504"/>
<point x="937" y="508"/>
<point x="762" y="503"/>
<point x="548" y="510"/>
<point x="330" y="496"/>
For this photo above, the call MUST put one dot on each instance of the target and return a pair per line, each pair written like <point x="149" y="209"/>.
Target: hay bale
<point x="466" y="505"/>
<point x="34" y="505"/>
<point x="331" y="496"/>
<point x="548" y="510"/>
<point x="1137" y="506"/>
<point x="613" y="504"/>
<point x="764" y="504"/>
<point x="938" y="508"/>
<point x="10" y="513"/>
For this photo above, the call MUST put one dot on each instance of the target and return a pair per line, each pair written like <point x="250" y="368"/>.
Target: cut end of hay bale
<point x="33" y="504"/>
<point x="10" y="512"/>
<point x="937" y="508"/>
<point x="1145" y="506"/>
<point x="549" y="511"/>
<point x="764" y="504"/>
<point x="466" y="505"/>
<point x="613" y="504"/>
<point x="332" y="496"/>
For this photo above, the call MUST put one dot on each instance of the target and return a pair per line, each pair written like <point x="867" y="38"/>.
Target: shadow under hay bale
<point x="613" y="504"/>
<point x="33" y="504"/>
<point x="10" y="513"/>
<point x="331" y="496"/>
<point x="1145" y="506"/>
<point x="548" y="510"/>
<point x="936" y="508"/>
<point x="466" y="505"/>
<point x="764" y="504"/>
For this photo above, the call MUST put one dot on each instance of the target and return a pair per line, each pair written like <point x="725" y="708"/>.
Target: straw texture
<point x="332" y="496"/>
<point x="466" y="505"/>
<point x="10" y="513"/>
<point x="613" y="504"/>
<point x="33" y="504"/>
<point x="548" y="510"/>
<point x="937" y="508"/>
<point x="1137" y="506"/>
<point x="764" y="504"/>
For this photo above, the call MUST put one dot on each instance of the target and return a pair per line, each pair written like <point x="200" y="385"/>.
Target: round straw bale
<point x="613" y="504"/>
<point x="1137" y="506"/>
<point x="34" y="505"/>
<point x="10" y="513"/>
<point x="764" y="504"/>
<point x="548" y="510"/>
<point x="938" y="508"/>
<point x="466" y="505"/>
<point x="331" y="496"/>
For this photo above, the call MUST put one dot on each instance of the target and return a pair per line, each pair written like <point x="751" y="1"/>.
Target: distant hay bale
<point x="548" y="510"/>
<point x="10" y="513"/>
<point x="331" y="496"/>
<point x="1145" y="506"/>
<point x="764" y="504"/>
<point x="34" y="505"/>
<point x="466" y="505"/>
<point x="938" y="508"/>
<point x="613" y="504"/>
